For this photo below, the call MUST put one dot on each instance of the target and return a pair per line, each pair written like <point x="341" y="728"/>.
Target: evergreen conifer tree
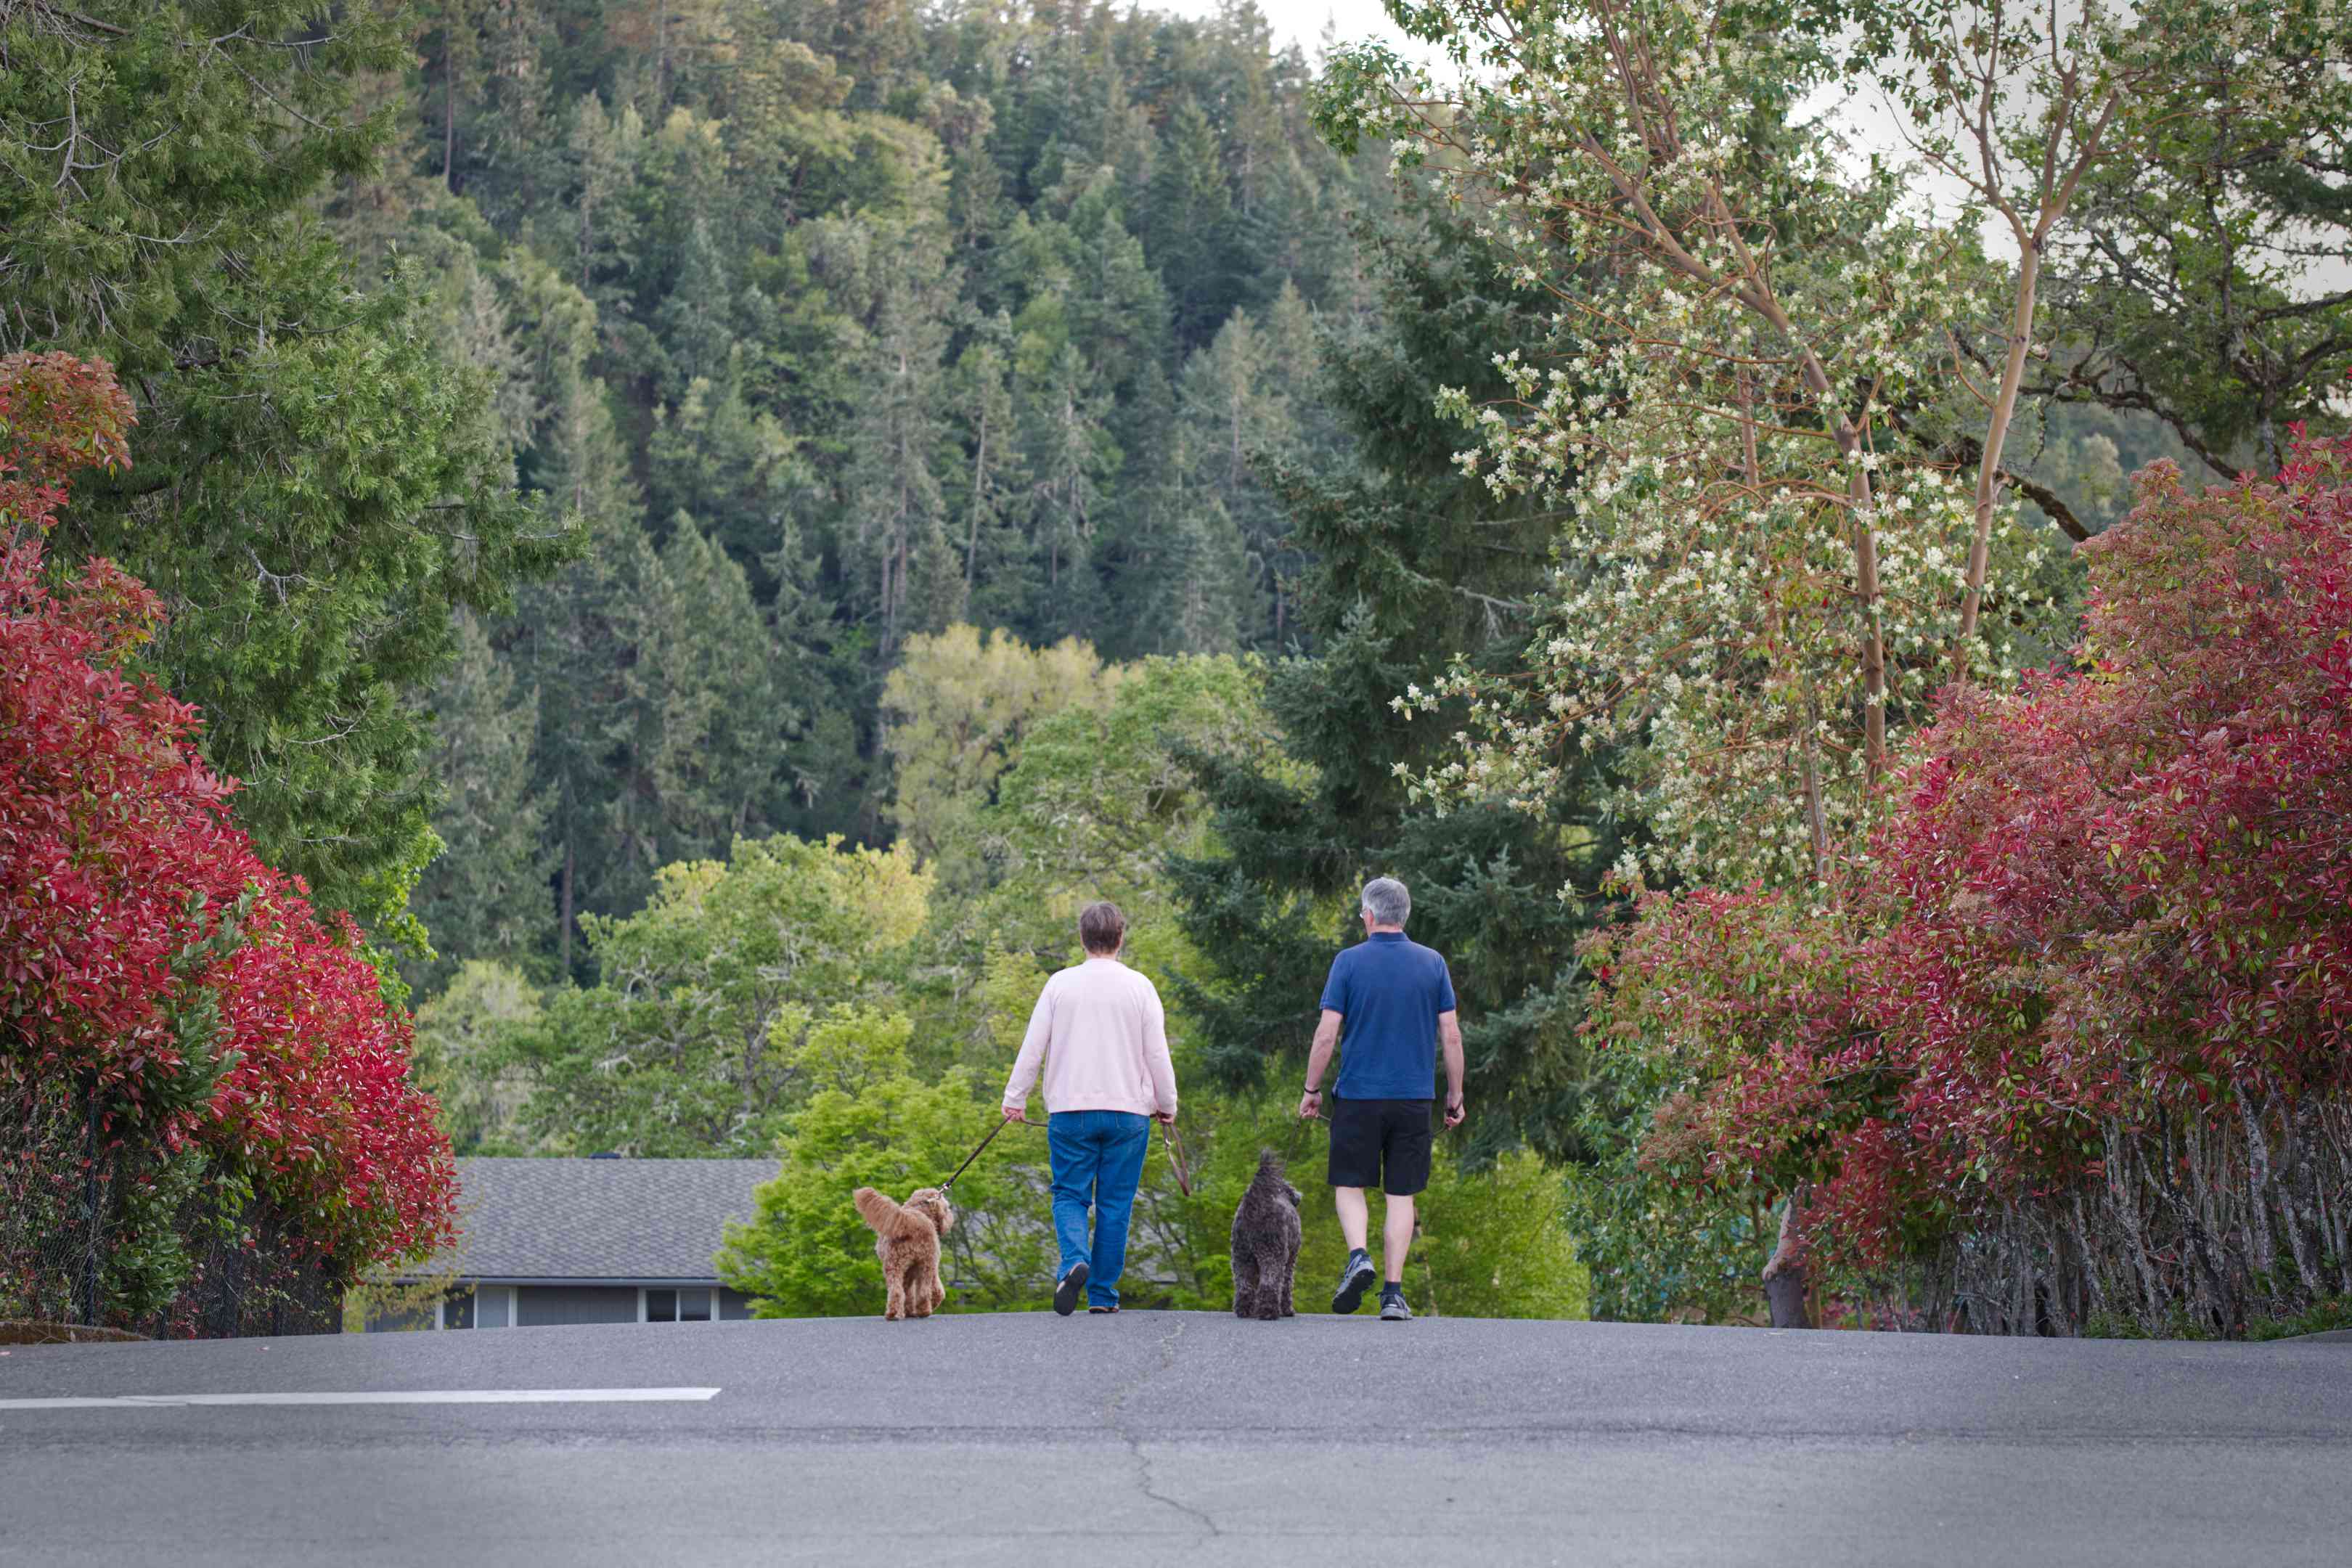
<point x="487" y="895"/>
<point x="1411" y="565"/>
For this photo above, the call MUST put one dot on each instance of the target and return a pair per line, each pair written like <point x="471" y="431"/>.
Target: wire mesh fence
<point x="164" y="1242"/>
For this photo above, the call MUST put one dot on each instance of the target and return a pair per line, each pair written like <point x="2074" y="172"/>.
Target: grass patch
<point x="2323" y="1317"/>
<point x="36" y="1332"/>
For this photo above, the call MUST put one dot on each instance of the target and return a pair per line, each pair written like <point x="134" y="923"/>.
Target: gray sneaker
<point x="1392" y="1308"/>
<point x="1353" y="1282"/>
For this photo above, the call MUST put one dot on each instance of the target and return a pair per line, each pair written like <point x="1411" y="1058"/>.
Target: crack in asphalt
<point x="1143" y="1474"/>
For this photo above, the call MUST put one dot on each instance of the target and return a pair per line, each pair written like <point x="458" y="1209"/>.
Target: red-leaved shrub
<point x="150" y="967"/>
<point x="2077" y="1040"/>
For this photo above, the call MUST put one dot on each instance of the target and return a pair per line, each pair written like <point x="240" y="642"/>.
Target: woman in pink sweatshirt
<point x="1102" y="1040"/>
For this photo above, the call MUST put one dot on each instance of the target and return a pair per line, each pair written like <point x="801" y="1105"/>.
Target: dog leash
<point x="1176" y="1159"/>
<point x="1002" y="1123"/>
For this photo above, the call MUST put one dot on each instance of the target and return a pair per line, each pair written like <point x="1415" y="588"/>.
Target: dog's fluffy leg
<point x="1245" y="1286"/>
<point x="1267" y="1266"/>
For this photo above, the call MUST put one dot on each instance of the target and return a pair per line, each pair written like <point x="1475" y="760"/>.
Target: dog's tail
<point x="886" y="1215"/>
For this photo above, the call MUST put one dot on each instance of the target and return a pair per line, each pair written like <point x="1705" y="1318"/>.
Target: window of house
<point x="494" y="1307"/>
<point x="680" y="1306"/>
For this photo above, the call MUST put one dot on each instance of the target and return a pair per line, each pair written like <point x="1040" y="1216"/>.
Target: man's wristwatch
<point x="1312" y="1090"/>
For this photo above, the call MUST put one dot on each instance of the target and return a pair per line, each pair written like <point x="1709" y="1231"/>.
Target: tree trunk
<point x="1996" y="423"/>
<point x="1817" y="825"/>
<point x="1874" y="630"/>
<point x="564" y="936"/>
<point x="2260" y="1243"/>
<point x="979" y="490"/>
<point x="91" y="1303"/>
<point x="2055" y="198"/>
<point x="1784" y="1276"/>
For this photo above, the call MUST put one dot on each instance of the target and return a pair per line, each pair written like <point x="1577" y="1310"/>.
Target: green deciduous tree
<point x="956" y="708"/>
<point x="465" y="1056"/>
<point x="2194" y="284"/>
<point x="688" y="1043"/>
<point x="873" y="1122"/>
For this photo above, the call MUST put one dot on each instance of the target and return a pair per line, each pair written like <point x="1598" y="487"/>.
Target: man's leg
<point x="1396" y="1238"/>
<point x="1356" y="1274"/>
<point x="1355" y="1166"/>
<point x="1355" y="1215"/>
<point x="1072" y="1151"/>
<point x="1120" y="1173"/>
<point x="1405" y="1141"/>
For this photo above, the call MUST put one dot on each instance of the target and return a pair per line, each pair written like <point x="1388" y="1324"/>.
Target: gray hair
<point x="1386" y="902"/>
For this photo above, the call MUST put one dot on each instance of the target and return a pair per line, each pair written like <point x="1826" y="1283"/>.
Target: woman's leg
<point x="1074" y="1157"/>
<point x="1126" y="1139"/>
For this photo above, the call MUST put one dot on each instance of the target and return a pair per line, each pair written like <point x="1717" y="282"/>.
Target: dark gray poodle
<point x="1265" y="1243"/>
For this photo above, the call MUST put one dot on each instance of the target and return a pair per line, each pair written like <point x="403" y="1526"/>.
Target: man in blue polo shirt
<point x="1389" y="1008"/>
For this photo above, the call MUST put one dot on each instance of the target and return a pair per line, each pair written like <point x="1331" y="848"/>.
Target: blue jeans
<point x="1097" y="1162"/>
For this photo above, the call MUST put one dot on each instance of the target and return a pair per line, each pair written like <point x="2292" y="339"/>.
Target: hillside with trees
<point x="826" y="326"/>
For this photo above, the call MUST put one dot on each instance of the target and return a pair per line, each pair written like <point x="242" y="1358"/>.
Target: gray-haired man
<point x="1389" y="1008"/>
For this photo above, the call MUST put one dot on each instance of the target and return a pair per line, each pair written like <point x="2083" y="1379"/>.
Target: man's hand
<point x="1454" y="1111"/>
<point x="1310" y="1105"/>
<point x="1165" y="1118"/>
<point x="1013" y="1113"/>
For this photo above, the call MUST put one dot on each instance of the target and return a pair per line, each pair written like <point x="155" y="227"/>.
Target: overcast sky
<point x="1867" y="120"/>
<point x="1302" y="21"/>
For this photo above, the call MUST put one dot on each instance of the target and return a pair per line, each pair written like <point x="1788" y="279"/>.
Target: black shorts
<point x="1373" y="1139"/>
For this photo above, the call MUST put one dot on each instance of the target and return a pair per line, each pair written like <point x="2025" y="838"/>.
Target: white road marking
<point x="392" y="1396"/>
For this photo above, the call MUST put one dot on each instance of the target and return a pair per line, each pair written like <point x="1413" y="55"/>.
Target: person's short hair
<point x="1386" y="901"/>
<point x="1101" y="927"/>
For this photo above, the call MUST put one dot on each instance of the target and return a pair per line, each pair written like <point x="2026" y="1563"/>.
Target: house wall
<point x="544" y="1306"/>
<point x="401" y="1322"/>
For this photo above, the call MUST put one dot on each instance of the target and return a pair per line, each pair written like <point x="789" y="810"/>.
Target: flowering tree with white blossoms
<point x="1769" y="553"/>
<point x="1777" y="419"/>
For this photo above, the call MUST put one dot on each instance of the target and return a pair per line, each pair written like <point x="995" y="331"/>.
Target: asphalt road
<point x="1187" y="1438"/>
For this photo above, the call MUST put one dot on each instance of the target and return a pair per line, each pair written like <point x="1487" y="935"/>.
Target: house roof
<point x="587" y="1220"/>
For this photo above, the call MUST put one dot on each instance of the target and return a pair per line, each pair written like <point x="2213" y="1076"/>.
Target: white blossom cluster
<point x="1705" y="621"/>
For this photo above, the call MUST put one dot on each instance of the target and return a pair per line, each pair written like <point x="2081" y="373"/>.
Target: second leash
<point x="1176" y="1159"/>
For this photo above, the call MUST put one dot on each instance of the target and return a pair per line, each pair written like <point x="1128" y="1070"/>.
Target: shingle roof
<point x="597" y="1219"/>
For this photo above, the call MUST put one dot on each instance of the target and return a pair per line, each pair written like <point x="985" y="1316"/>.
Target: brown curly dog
<point x="908" y="1245"/>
